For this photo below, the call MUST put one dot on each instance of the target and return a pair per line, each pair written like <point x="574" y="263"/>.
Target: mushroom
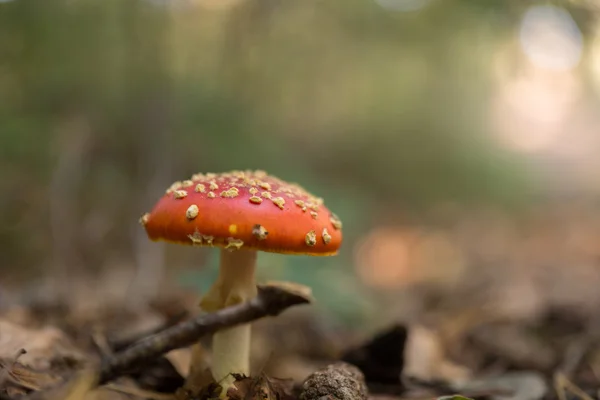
<point x="241" y="212"/>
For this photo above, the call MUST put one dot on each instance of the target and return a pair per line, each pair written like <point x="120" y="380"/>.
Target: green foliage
<point x="454" y="397"/>
<point x="364" y="107"/>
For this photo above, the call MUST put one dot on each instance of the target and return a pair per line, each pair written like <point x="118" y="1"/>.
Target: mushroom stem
<point x="236" y="283"/>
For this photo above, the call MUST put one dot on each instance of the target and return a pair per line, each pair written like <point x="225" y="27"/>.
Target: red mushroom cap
<point x="250" y="210"/>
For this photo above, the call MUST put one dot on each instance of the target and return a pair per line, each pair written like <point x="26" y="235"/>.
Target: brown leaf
<point x="199" y="375"/>
<point x="426" y="358"/>
<point x="203" y="387"/>
<point x="43" y="345"/>
<point x="212" y="391"/>
<point x="17" y="379"/>
<point x="14" y="392"/>
<point x="260" y="387"/>
<point x="138" y="392"/>
<point x="38" y="351"/>
<point x="79" y="387"/>
<point x="282" y="388"/>
<point x="76" y="388"/>
<point x="181" y="360"/>
<point x="31" y="379"/>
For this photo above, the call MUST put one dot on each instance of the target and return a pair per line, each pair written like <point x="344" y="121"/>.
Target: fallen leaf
<point x="198" y="375"/>
<point x="7" y="365"/>
<point x="454" y="397"/>
<point x="261" y="387"/>
<point x="212" y="391"/>
<point x="79" y="387"/>
<point x="43" y="346"/>
<point x="425" y="358"/>
<point x="181" y="360"/>
<point x="29" y="378"/>
<point x="519" y="385"/>
<point x="76" y="388"/>
<point x="203" y="387"/>
<point x="103" y="393"/>
<point x="137" y="392"/>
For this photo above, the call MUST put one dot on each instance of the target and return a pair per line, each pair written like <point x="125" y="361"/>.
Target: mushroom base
<point x="236" y="283"/>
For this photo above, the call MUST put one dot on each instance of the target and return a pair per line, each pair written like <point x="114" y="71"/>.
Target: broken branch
<point x="272" y="299"/>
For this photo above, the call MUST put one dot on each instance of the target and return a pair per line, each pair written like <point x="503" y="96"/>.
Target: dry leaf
<point x="30" y="379"/>
<point x="211" y="391"/>
<point x="103" y="393"/>
<point x="79" y="387"/>
<point x="261" y="387"/>
<point x="14" y="392"/>
<point x="43" y="345"/>
<point x="425" y="358"/>
<point x="137" y="392"/>
<point x="181" y="359"/>
<point x="16" y="379"/>
<point x="76" y="388"/>
<point x="518" y="385"/>
<point x="199" y="381"/>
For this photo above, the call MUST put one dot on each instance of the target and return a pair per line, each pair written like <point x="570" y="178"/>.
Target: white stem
<point x="231" y="353"/>
<point x="236" y="284"/>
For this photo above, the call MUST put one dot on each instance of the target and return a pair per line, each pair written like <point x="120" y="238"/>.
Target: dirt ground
<point x="58" y="351"/>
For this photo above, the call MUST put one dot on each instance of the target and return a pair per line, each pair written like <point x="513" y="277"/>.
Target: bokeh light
<point x="532" y="108"/>
<point x="594" y="64"/>
<point x="538" y="88"/>
<point x="550" y="38"/>
<point x="383" y="258"/>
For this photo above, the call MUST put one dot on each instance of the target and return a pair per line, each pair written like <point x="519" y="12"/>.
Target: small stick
<point x="272" y="299"/>
<point x="562" y="384"/>
<point x="121" y="344"/>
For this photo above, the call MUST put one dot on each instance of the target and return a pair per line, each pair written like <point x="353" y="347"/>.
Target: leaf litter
<point x="57" y="357"/>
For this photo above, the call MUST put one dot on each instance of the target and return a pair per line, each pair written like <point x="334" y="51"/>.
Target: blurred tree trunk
<point x="150" y="126"/>
<point x="74" y="139"/>
<point x="154" y="159"/>
<point x="247" y="26"/>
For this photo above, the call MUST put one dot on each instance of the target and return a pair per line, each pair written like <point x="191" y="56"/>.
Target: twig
<point x="101" y="342"/>
<point x="272" y="299"/>
<point x="574" y="356"/>
<point x="117" y="345"/>
<point x="562" y="383"/>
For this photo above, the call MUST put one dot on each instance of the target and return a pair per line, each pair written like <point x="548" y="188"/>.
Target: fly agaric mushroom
<point x="241" y="213"/>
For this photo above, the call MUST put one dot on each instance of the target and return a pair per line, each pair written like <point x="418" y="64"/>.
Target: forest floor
<point x="55" y="351"/>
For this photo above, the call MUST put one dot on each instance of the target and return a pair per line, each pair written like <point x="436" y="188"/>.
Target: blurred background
<point x="457" y="140"/>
